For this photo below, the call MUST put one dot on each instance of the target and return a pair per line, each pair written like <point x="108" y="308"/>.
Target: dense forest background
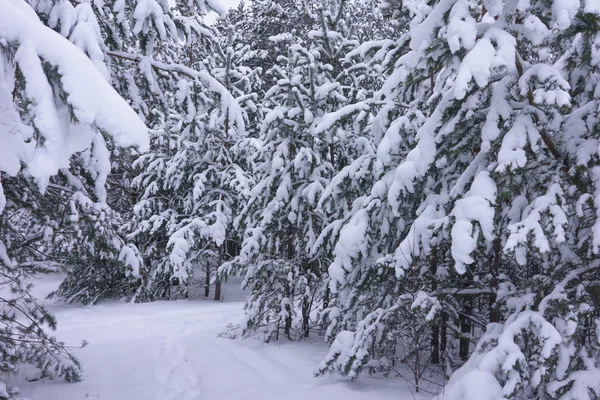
<point x="416" y="181"/>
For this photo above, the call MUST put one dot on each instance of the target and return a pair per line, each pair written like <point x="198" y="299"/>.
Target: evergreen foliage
<point x="416" y="181"/>
<point x="54" y="162"/>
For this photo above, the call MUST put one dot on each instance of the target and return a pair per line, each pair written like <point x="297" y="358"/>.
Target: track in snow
<point x="174" y="371"/>
<point x="171" y="351"/>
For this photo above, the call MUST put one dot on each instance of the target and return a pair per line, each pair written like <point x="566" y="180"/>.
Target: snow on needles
<point x="88" y="97"/>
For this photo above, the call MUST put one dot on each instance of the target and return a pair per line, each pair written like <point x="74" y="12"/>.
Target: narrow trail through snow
<point x="172" y="351"/>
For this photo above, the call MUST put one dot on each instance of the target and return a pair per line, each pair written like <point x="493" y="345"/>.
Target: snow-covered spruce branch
<point x="560" y="288"/>
<point x="228" y="102"/>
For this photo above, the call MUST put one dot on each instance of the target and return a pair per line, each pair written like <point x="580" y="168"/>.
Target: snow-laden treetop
<point x="54" y="102"/>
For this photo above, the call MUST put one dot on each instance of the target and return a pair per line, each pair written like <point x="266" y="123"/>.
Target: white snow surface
<point x="172" y="351"/>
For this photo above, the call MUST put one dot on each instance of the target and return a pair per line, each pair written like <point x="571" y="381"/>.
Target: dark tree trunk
<point x="218" y="282"/>
<point x="494" y="270"/>
<point x="465" y="328"/>
<point x="305" y="317"/>
<point x="207" y="283"/>
<point x="218" y="290"/>
<point x="435" y="330"/>
<point x="326" y="297"/>
<point x="444" y="333"/>
<point x="288" y="323"/>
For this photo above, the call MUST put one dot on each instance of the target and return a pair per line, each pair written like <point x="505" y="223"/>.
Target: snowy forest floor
<point x="171" y="351"/>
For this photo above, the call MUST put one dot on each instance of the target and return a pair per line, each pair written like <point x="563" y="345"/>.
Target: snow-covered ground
<point x="171" y="351"/>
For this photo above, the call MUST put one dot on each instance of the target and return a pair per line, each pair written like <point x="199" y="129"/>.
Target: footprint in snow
<point x="176" y="374"/>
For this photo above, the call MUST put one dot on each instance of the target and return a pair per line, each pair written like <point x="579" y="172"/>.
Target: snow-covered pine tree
<point x="368" y="298"/>
<point x="194" y="179"/>
<point x="264" y="19"/>
<point x="358" y="67"/>
<point x="280" y="224"/>
<point x="345" y="85"/>
<point x="57" y="113"/>
<point x="362" y="119"/>
<point x="208" y="176"/>
<point x="98" y="271"/>
<point x="292" y="165"/>
<point x="226" y="59"/>
<point x="188" y="186"/>
<point x="99" y="263"/>
<point x="486" y="194"/>
<point x="231" y="62"/>
<point x="547" y="343"/>
<point x="146" y="51"/>
<point x="140" y="54"/>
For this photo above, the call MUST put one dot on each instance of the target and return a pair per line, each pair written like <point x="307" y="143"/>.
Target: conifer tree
<point x="57" y="113"/>
<point x="194" y="179"/>
<point x="300" y="147"/>
<point x="141" y="56"/>
<point x="484" y="203"/>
